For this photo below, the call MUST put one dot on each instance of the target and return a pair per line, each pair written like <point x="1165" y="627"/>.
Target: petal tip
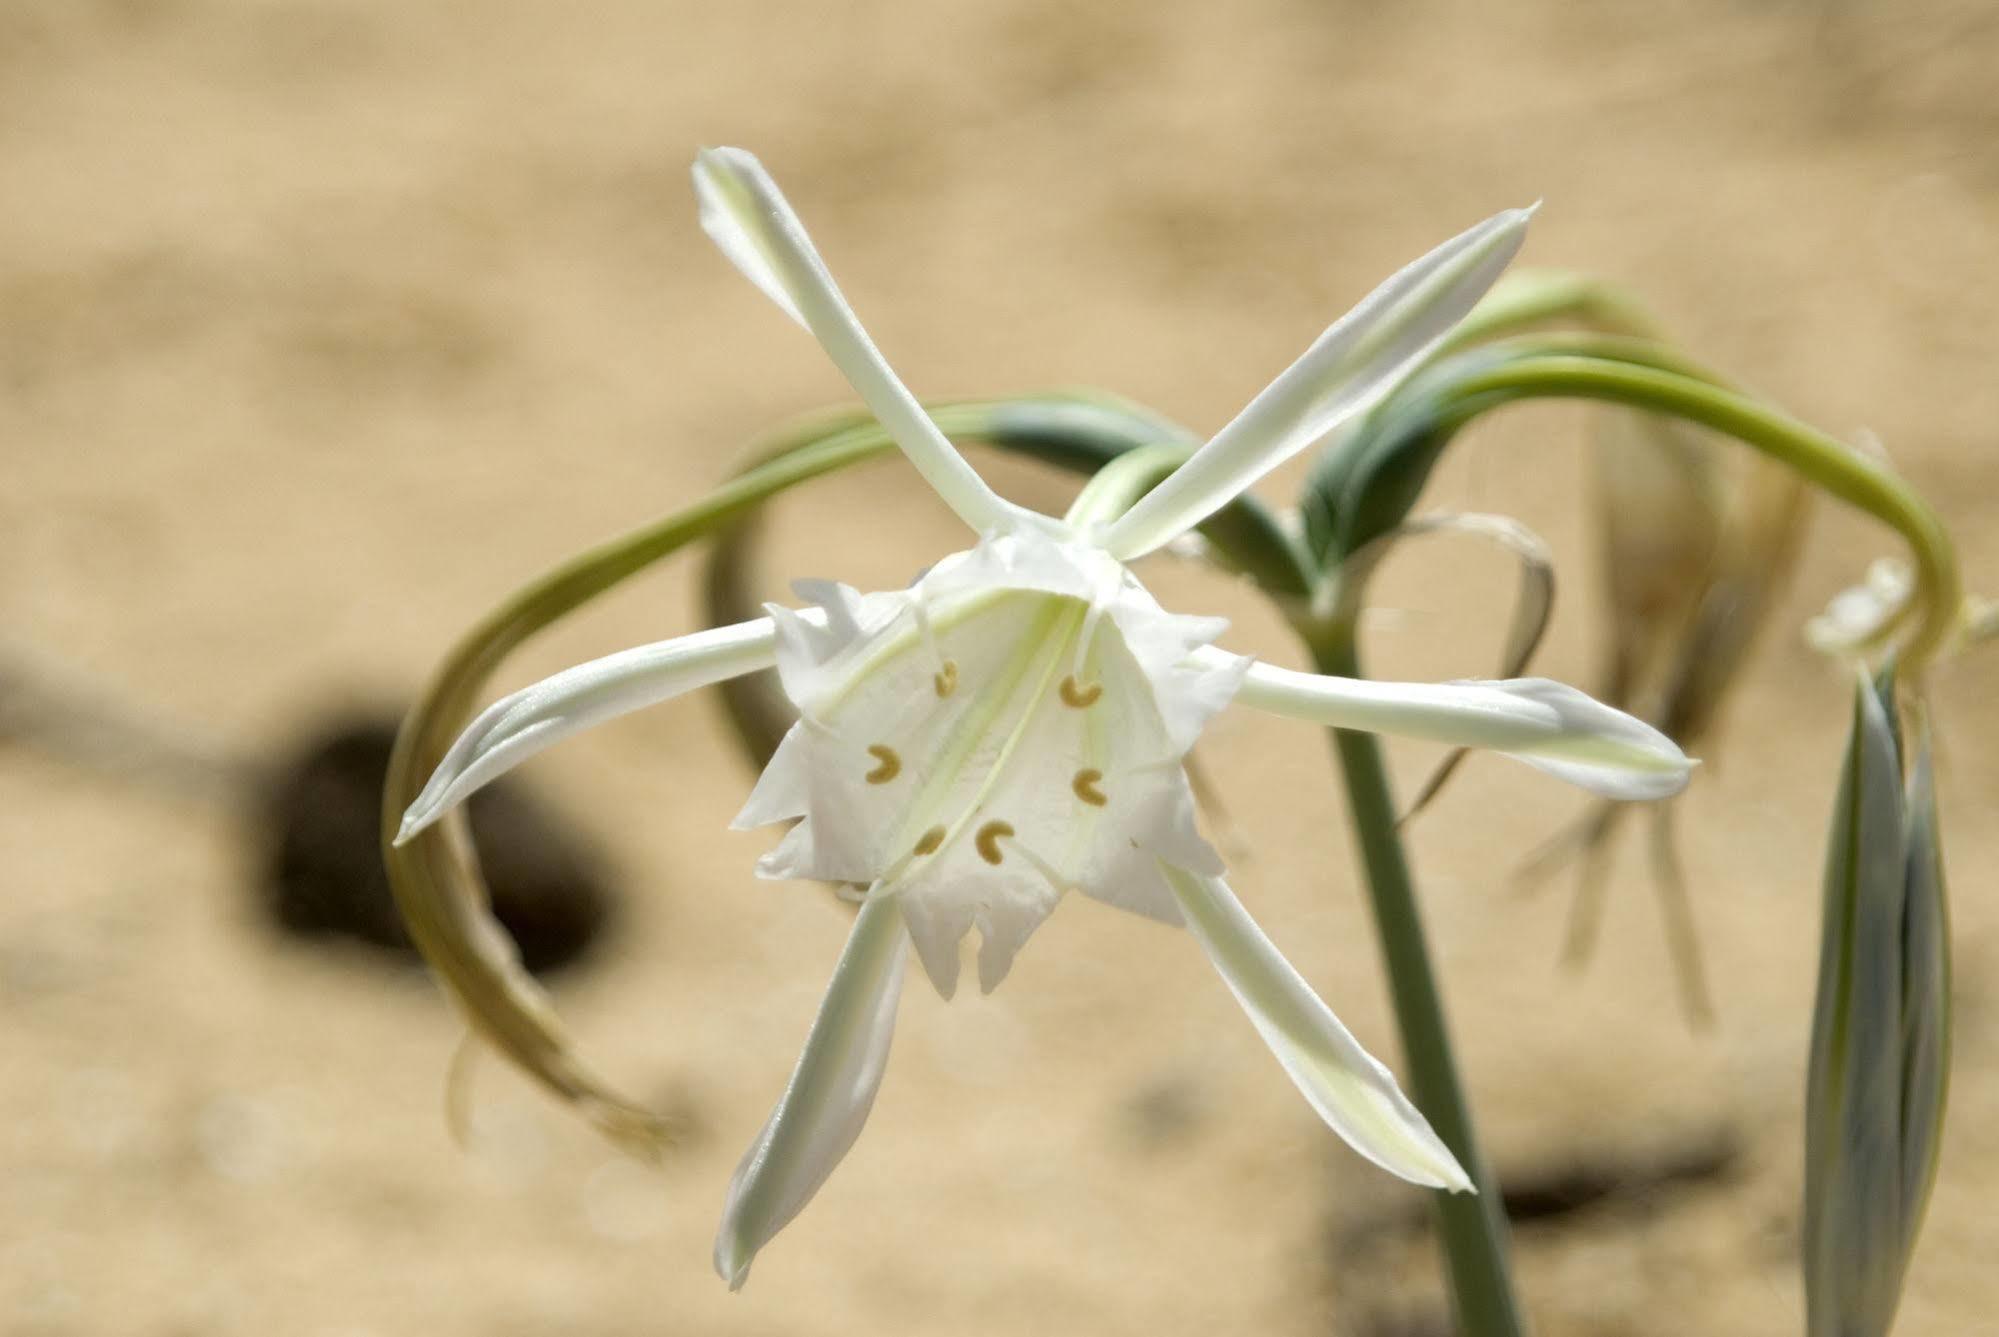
<point x="1499" y="239"/>
<point x="727" y="156"/>
<point x="418" y="819"/>
<point x="732" y="1260"/>
<point x="1509" y="231"/>
<point x="1428" y="1164"/>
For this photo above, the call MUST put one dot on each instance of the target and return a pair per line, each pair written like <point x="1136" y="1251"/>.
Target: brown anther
<point x="1077" y="695"/>
<point x="988" y="839"/>
<point x="930" y="840"/>
<point x="945" y="680"/>
<point x="1085" y="785"/>
<point x="891" y="765"/>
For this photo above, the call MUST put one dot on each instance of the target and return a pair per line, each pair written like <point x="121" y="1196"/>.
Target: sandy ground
<point x="324" y="324"/>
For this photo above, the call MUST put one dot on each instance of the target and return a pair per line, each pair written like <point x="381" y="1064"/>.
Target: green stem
<point x="1828" y="463"/>
<point x="1528" y="298"/>
<point x="1471" y="1228"/>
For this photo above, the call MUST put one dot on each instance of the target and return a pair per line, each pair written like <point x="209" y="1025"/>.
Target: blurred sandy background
<point x="324" y="324"/>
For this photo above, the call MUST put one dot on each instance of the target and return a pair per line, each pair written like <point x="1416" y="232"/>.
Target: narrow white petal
<point x="1359" y="359"/>
<point x="1548" y="725"/>
<point x="514" y="728"/>
<point x="829" y="1095"/>
<point x="1352" y="1092"/>
<point x="746" y="215"/>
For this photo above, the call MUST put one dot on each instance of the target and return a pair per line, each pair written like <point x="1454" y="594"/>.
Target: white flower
<point x="1013" y="725"/>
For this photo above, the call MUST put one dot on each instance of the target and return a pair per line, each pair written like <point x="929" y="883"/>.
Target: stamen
<point x="987" y="841"/>
<point x="930" y="840"/>
<point x="945" y="679"/>
<point x="891" y="765"/>
<point x="1085" y="785"/>
<point x="1077" y="695"/>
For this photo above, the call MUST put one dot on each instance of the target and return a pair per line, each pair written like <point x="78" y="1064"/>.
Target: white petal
<point x="1351" y="1091"/>
<point x="1548" y="725"/>
<point x="795" y="856"/>
<point x="1004" y="928"/>
<point x="936" y="923"/>
<point x="829" y="1095"/>
<point x="514" y="728"/>
<point x="1189" y="691"/>
<point x="816" y="646"/>
<point x="746" y="215"/>
<point x="1359" y="359"/>
<point x="781" y="791"/>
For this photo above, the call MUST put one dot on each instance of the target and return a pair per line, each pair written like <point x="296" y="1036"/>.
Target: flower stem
<point x="1527" y="298"/>
<point x="1471" y="1228"/>
<point x="1827" y="463"/>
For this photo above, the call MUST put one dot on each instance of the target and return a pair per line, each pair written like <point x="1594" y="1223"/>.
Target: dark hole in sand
<point x="324" y="875"/>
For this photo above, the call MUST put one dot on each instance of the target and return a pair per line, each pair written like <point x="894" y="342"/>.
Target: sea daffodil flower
<point x="1013" y="726"/>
